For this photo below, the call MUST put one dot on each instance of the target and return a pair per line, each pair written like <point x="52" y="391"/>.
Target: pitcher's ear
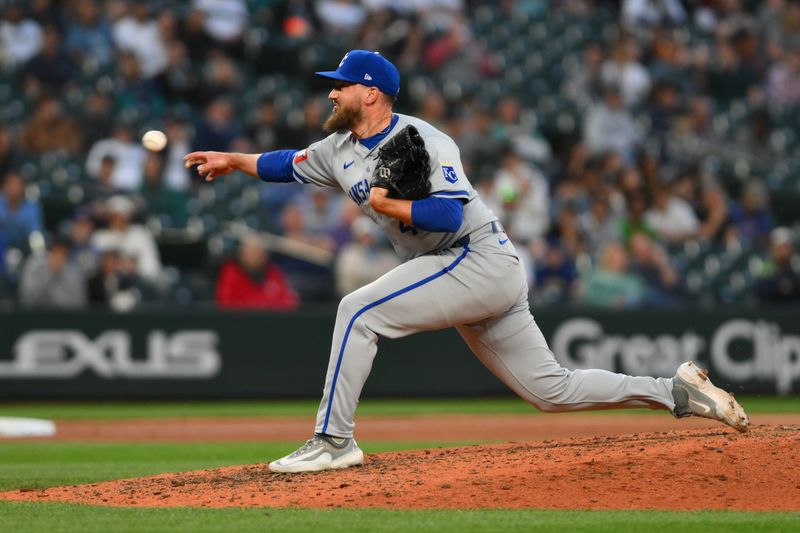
<point x="373" y="94"/>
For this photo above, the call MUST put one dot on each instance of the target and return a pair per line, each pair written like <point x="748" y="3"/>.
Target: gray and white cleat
<point x="320" y="452"/>
<point x="695" y="395"/>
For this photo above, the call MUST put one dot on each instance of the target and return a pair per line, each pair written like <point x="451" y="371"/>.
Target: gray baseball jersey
<point x="342" y="161"/>
<point x="474" y="284"/>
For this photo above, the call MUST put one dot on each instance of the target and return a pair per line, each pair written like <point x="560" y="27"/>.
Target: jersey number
<point x="404" y="229"/>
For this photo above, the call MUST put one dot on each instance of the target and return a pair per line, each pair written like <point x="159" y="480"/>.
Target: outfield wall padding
<point x="211" y="354"/>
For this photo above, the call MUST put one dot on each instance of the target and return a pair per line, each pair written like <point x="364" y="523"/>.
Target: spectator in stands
<point x="47" y="12"/>
<point x="609" y="127"/>
<point x="98" y="192"/>
<point x="432" y="109"/>
<point x="527" y="141"/>
<point x="295" y="225"/>
<point x="555" y="276"/>
<point x="176" y="176"/>
<point x="52" y="280"/>
<point x="714" y="212"/>
<point x="19" y="217"/>
<point x="665" y="107"/>
<point x="342" y="230"/>
<point x="51" y="69"/>
<point x="9" y="157"/>
<point x="456" y="55"/>
<point x="746" y="40"/>
<point x="20" y="36"/>
<point x="634" y="222"/>
<point x="671" y="217"/>
<point x="322" y="209"/>
<point x="128" y="156"/>
<point x="89" y="34"/>
<point x="138" y="32"/>
<point x="650" y="263"/>
<point x="639" y="14"/>
<point x="2" y="261"/>
<point x="50" y="129"/>
<point x="572" y="192"/>
<point x="612" y="285"/>
<point x="224" y="21"/>
<point x="313" y="280"/>
<point x="623" y="70"/>
<point x="584" y="82"/>
<point x="782" y="28"/>
<point x="672" y="62"/>
<point x="567" y="228"/>
<point x="97" y="117"/>
<point x="479" y="148"/>
<point x="133" y="93"/>
<point x="728" y="77"/>
<point x="159" y="198"/>
<point x="217" y="130"/>
<point x="180" y="82"/>
<point x="265" y="126"/>
<point x="779" y="282"/>
<point x="341" y="16"/>
<point x="755" y="139"/>
<point x="599" y="225"/>
<point x="84" y="254"/>
<point x="192" y="33"/>
<point x="132" y="240"/>
<point x="363" y="260"/>
<point x="783" y="84"/>
<point x="308" y="130"/>
<point x="114" y="285"/>
<point x="524" y="197"/>
<point x="221" y="77"/>
<point x="251" y="281"/>
<point x="750" y="216"/>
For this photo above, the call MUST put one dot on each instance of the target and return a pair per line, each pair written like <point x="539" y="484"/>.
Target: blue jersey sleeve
<point x="276" y="166"/>
<point x="437" y="214"/>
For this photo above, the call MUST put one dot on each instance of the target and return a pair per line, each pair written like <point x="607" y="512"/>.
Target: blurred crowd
<point x="612" y="205"/>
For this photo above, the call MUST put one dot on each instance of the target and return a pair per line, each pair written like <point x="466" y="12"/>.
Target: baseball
<point x="154" y="140"/>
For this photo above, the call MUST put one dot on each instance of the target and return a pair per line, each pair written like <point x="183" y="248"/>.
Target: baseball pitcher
<point x="460" y="270"/>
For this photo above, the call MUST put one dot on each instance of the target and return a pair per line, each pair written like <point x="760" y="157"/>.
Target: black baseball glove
<point x="403" y="166"/>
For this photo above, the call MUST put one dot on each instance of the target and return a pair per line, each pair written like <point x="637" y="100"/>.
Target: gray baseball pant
<point x="481" y="290"/>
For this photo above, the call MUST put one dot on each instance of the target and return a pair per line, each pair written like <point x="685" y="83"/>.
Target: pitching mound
<point x="690" y="469"/>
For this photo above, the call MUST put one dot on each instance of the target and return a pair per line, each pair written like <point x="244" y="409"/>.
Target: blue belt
<point x="460" y="243"/>
<point x="463" y="241"/>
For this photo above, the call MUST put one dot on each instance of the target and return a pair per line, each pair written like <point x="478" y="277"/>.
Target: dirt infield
<point x="686" y="469"/>
<point x="445" y="428"/>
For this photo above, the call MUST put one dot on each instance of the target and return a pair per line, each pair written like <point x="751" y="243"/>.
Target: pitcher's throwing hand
<point x="210" y="164"/>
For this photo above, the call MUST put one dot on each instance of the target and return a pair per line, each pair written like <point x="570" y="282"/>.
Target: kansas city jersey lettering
<point x="359" y="192"/>
<point x="343" y="162"/>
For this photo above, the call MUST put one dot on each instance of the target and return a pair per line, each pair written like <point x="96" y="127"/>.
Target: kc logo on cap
<point x="366" y="68"/>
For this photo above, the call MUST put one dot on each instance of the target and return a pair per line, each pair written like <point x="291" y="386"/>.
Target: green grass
<point x="48" y="464"/>
<point x="278" y="408"/>
<point x="53" y="518"/>
<point x="42" y="464"/>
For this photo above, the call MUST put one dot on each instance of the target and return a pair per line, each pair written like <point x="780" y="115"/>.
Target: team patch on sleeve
<point x="300" y="156"/>
<point x="449" y="173"/>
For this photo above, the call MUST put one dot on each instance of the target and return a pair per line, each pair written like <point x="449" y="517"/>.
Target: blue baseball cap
<point x="366" y="68"/>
